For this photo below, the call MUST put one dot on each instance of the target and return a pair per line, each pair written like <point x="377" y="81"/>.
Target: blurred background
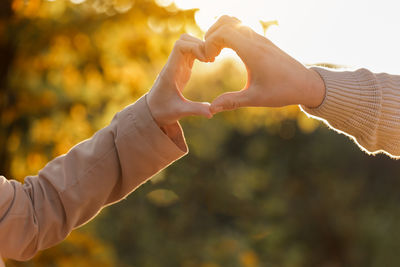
<point x="260" y="187"/>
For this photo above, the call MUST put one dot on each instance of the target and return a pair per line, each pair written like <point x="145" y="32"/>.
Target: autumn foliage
<point x="260" y="187"/>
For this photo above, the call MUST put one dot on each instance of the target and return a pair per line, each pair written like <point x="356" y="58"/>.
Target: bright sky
<point x="355" y="33"/>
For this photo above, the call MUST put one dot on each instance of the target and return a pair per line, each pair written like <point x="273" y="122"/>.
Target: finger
<point x="188" y="47"/>
<point x="190" y="38"/>
<point x="221" y="21"/>
<point x="229" y="101"/>
<point x="190" y="108"/>
<point x="226" y="36"/>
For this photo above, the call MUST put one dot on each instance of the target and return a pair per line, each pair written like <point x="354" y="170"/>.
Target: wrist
<point x="153" y="110"/>
<point x="151" y="103"/>
<point x="173" y="131"/>
<point x="158" y="113"/>
<point x="315" y="92"/>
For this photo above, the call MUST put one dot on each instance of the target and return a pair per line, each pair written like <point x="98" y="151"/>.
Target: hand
<point x="165" y="99"/>
<point x="274" y="78"/>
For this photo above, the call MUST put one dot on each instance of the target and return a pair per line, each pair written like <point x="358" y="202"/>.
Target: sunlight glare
<point x="335" y="31"/>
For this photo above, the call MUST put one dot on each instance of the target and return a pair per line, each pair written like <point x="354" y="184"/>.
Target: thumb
<point x="229" y="101"/>
<point x="190" y="108"/>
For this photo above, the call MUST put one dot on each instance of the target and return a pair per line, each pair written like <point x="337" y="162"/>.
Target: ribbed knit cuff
<point x="352" y="105"/>
<point x="388" y="134"/>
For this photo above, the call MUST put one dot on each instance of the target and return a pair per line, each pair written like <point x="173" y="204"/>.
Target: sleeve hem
<point x="158" y="141"/>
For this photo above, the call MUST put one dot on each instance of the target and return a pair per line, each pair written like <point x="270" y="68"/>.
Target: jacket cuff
<point x="169" y="148"/>
<point x="352" y="104"/>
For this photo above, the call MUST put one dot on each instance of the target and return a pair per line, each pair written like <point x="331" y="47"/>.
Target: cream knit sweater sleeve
<point x="364" y="106"/>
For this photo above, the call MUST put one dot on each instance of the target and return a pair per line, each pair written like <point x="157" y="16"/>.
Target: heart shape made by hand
<point x="274" y="78"/>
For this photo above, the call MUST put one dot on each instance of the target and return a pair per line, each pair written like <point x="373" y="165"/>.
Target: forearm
<point x="363" y="105"/>
<point x="73" y="188"/>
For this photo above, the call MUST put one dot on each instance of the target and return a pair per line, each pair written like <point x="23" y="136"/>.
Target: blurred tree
<point x="261" y="187"/>
<point x="7" y="53"/>
<point x="80" y="249"/>
<point x="72" y="66"/>
<point x="66" y="68"/>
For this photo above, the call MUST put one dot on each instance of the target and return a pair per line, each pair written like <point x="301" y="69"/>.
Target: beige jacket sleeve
<point x="73" y="188"/>
<point x="364" y="106"/>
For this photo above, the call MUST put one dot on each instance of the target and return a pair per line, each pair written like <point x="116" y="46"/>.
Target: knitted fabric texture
<point x="364" y="106"/>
